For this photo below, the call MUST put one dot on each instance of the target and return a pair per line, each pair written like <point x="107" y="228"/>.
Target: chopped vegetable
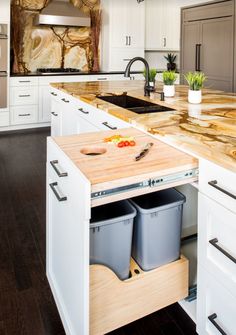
<point x="121" y="144"/>
<point x="121" y="141"/>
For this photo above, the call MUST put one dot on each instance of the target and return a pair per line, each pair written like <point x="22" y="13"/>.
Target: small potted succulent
<point x="195" y="81"/>
<point x="169" y="78"/>
<point x="152" y="76"/>
<point x="171" y="58"/>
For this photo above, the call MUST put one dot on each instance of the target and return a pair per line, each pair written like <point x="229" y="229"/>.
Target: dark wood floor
<point x="26" y="303"/>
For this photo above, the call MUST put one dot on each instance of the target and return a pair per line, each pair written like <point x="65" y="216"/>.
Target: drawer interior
<point x="114" y="303"/>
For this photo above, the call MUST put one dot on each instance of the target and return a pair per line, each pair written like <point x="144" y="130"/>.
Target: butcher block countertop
<point x="207" y="130"/>
<point x="115" y="167"/>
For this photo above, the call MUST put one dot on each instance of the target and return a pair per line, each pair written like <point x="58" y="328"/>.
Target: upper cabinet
<point x="122" y="34"/>
<point x="162" y="25"/>
<point x="5" y="11"/>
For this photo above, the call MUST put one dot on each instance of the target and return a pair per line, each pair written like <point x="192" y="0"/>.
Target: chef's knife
<point x="144" y="151"/>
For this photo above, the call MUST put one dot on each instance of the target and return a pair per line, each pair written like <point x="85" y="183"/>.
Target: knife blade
<point x="144" y="151"/>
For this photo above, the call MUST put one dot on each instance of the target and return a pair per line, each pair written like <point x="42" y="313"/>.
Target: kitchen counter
<point x="207" y="130"/>
<point x="81" y="73"/>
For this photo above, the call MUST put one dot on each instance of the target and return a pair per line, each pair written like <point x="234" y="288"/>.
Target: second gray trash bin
<point x="111" y="228"/>
<point x="157" y="228"/>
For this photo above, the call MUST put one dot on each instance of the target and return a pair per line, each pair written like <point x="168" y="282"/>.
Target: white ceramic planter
<point x="194" y="97"/>
<point x="169" y="90"/>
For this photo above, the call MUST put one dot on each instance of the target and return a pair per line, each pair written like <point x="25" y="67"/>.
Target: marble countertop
<point x="206" y="130"/>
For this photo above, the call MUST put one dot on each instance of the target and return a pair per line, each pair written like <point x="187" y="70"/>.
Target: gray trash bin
<point x="157" y="228"/>
<point x="111" y="229"/>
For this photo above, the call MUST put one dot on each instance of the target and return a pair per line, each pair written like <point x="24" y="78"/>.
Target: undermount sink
<point x="135" y="105"/>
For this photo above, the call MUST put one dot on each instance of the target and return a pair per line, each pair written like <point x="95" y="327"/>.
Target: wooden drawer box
<point x="23" y="96"/>
<point x="24" y="114"/>
<point x="216" y="306"/>
<point x="115" y="303"/>
<point x="218" y="184"/>
<point x="217" y="248"/>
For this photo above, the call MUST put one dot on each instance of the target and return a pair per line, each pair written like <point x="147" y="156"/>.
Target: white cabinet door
<point x="118" y="20"/>
<point x="5" y="11"/>
<point x="44" y="104"/>
<point x="215" y="306"/>
<point x="55" y="117"/>
<point x="136" y="24"/>
<point x="83" y="126"/>
<point x="68" y="215"/>
<point x="217" y="248"/>
<point x="162" y="25"/>
<point x="153" y="24"/>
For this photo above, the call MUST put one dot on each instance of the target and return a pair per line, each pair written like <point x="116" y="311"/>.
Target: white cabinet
<point x="126" y="19"/>
<point x="73" y="116"/>
<point x="122" y="34"/>
<point x="23" y="100"/>
<point x="217" y="307"/>
<point x="162" y="25"/>
<point x="67" y="236"/>
<point x="5" y="11"/>
<point x="216" y="250"/>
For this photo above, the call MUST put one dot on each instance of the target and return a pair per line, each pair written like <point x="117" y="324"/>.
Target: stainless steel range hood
<point x="62" y="13"/>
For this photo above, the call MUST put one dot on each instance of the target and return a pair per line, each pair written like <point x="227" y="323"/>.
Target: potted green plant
<point x="171" y="58"/>
<point x="152" y="76"/>
<point x="169" y="77"/>
<point x="195" y="81"/>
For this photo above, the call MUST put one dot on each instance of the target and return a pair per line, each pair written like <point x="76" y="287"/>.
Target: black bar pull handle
<point x="214" y="183"/>
<point x="59" y="173"/>
<point x="53" y="187"/>
<point x="214" y="242"/>
<point x="63" y="99"/>
<point x="212" y="318"/>
<point x="199" y="57"/>
<point x="54" y="94"/>
<point x="108" y="126"/>
<point x="55" y="114"/>
<point x="83" y="111"/>
<point x="196" y="57"/>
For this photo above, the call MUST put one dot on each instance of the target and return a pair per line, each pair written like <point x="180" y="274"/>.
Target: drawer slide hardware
<point x="214" y="183"/>
<point x="214" y="242"/>
<point x="212" y="318"/>
<point x="192" y="294"/>
<point x="153" y="182"/>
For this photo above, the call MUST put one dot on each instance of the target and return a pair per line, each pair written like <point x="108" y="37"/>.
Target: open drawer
<point x="115" y="303"/>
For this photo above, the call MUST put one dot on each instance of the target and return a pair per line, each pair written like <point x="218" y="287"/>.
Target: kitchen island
<point x="207" y="130"/>
<point x="208" y="134"/>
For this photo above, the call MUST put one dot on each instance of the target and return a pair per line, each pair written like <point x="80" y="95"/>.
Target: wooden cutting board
<point x="116" y="166"/>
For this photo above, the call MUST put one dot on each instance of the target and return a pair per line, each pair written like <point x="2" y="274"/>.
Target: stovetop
<point x="53" y="71"/>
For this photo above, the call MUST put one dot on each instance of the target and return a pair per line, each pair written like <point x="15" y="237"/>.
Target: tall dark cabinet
<point x="207" y="43"/>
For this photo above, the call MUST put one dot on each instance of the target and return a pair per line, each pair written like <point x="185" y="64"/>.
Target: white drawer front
<point x="222" y="181"/>
<point x="4" y="119"/>
<point x="111" y="123"/>
<point x="24" y="114"/>
<point x="24" y="81"/>
<point x="216" y="241"/>
<point x="23" y="96"/>
<point x="97" y="117"/>
<point x="216" y="302"/>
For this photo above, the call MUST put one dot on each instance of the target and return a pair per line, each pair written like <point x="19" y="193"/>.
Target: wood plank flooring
<point x="26" y="303"/>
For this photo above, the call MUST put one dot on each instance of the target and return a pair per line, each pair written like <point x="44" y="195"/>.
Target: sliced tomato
<point x="121" y="144"/>
<point x="126" y="143"/>
<point x="132" y="143"/>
